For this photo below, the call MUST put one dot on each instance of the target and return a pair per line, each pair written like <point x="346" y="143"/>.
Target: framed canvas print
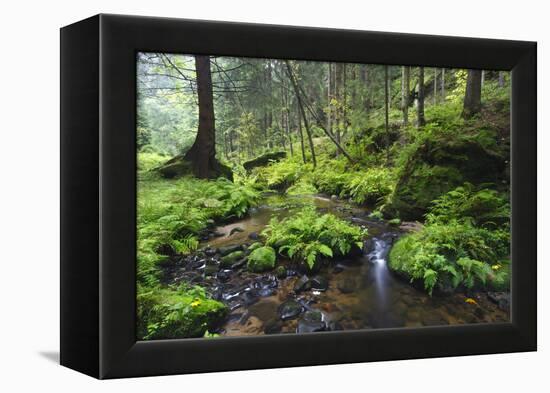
<point x="238" y="196"/>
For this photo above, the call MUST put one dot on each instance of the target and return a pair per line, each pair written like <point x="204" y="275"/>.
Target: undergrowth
<point x="307" y="236"/>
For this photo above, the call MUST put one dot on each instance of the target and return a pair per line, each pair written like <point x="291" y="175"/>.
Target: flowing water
<point x="352" y="293"/>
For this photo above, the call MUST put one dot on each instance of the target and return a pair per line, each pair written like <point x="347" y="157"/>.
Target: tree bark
<point x="443" y="84"/>
<point x="472" y="97"/>
<point x="386" y="112"/>
<point x="364" y="76"/>
<point x="421" y="121"/>
<point x="435" y="87"/>
<point x="500" y="79"/>
<point x="405" y="91"/>
<point x="388" y="85"/>
<point x="344" y="124"/>
<point x="301" y="137"/>
<point x="330" y="92"/>
<point x="202" y="154"/>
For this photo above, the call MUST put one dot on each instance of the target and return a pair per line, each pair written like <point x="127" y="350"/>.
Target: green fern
<point x="307" y="236"/>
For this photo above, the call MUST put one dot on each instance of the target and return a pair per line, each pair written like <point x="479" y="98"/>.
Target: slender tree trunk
<point x="269" y="113"/>
<point x="386" y="112"/>
<point x="301" y="136"/>
<point x="338" y="93"/>
<point x="231" y="147"/>
<point x="388" y="84"/>
<point x="482" y="78"/>
<point x="421" y="121"/>
<point x="472" y="97"/>
<point x="329" y="97"/>
<point x="443" y="84"/>
<point x="501" y="79"/>
<point x="202" y="154"/>
<point x="435" y="87"/>
<point x="288" y="128"/>
<point x="364" y="76"/>
<point x="405" y="92"/>
<point x="344" y="125"/>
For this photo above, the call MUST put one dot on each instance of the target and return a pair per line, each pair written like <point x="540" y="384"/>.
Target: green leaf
<point x="325" y="250"/>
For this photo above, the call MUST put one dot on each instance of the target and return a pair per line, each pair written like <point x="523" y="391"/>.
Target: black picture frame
<point x="98" y="196"/>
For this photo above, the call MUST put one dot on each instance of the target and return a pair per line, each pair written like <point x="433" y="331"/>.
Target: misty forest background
<point x="422" y="147"/>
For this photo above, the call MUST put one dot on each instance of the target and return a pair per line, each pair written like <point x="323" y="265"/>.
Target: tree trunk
<point x="435" y="86"/>
<point x="405" y="91"/>
<point x="268" y="110"/>
<point x="364" y="76"/>
<point x="301" y="137"/>
<point x="329" y="97"/>
<point x="388" y="85"/>
<point x="202" y="154"/>
<point x="501" y="79"/>
<point x="344" y="124"/>
<point x="443" y="84"/>
<point x="421" y="121"/>
<point x="386" y="112"/>
<point x="338" y="94"/>
<point x="472" y="97"/>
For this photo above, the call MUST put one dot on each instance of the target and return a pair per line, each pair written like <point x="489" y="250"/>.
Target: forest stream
<point x="357" y="292"/>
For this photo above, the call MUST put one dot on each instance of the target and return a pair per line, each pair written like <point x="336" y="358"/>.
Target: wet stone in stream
<point x="319" y="283"/>
<point x="311" y="321"/>
<point x="290" y="310"/>
<point x="303" y="284"/>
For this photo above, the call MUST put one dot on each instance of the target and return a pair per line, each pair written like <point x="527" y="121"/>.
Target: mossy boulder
<point x="442" y="163"/>
<point x="179" y="313"/>
<point x="179" y="166"/>
<point x="262" y="259"/>
<point x="230" y="259"/>
<point x="264" y="159"/>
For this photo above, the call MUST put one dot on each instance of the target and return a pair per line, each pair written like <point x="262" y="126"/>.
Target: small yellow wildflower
<point x="469" y="300"/>
<point x="195" y="303"/>
<point x="496" y="267"/>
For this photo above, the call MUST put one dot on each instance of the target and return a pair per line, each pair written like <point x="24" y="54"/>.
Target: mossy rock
<point x="181" y="313"/>
<point x="262" y="259"/>
<point x="231" y="258"/>
<point x="264" y="159"/>
<point x="412" y="197"/>
<point x="442" y="164"/>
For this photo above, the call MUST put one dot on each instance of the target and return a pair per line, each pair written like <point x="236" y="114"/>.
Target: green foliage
<point x="261" y="259"/>
<point x="330" y="180"/>
<point x="280" y="175"/>
<point x="457" y="94"/>
<point x="179" y="312"/>
<point x="171" y="215"/>
<point x="148" y="160"/>
<point x="485" y="207"/>
<point x="443" y="155"/>
<point x="452" y="254"/>
<point x="368" y="185"/>
<point x="307" y="236"/>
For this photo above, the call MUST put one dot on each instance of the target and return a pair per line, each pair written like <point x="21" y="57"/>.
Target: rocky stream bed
<point x="357" y="292"/>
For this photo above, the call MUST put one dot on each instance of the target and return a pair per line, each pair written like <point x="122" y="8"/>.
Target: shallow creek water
<point x="352" y="293"/>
